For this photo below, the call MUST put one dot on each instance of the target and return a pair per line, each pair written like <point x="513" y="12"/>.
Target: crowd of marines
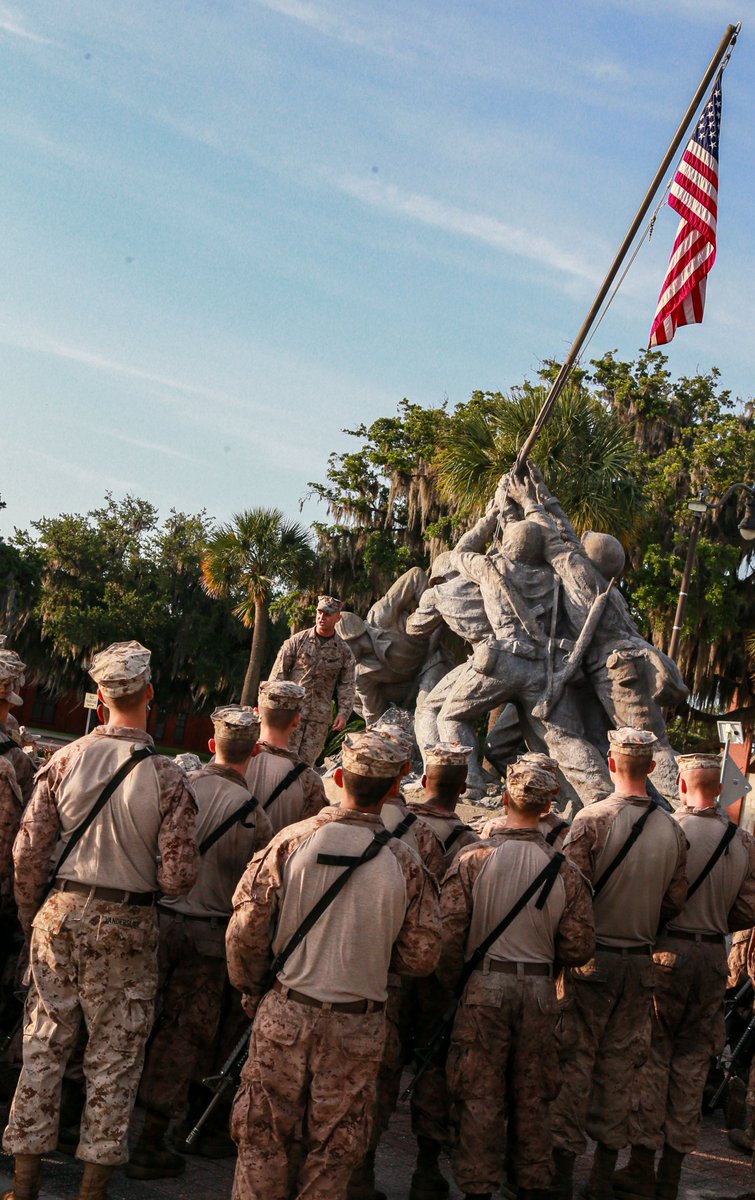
<point x="555" y="983"/>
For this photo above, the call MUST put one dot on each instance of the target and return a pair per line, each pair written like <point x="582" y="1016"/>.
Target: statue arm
<point x="478" y="537"/>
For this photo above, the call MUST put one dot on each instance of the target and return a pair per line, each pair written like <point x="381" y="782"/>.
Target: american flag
<point x="694" y="195"/>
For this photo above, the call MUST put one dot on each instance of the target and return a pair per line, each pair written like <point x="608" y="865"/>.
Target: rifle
<point x="573" y="661"/>
<point x="740" y="1055"/>
<point x="225" y="1082"/>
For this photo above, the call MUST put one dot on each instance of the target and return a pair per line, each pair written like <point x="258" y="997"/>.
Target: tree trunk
<point x="257" y="655"/>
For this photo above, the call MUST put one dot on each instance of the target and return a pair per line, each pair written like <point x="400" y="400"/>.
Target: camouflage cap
<point x="637" y="743"/>
<point x="447" y="754"/>
<point x="373" y="753"/>
<point x="532" y="778"/>
<point x="236" y="724"/>
<point x="121" y="669"/>
<point x="329" y="604"/>
<point x="698" y="762"/>
<point x="398" y="735"/>
<point x="281" y="693"/>
<point x="11" y="676"/>
<point x="188" y="762"/>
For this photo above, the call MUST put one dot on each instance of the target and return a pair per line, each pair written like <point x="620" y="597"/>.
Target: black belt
<point x="112" y="895"/>
<point x="504" y="967"/>
<point x="346" y="1006"/>
<point x="688" y="936"/>
<point x="220" y="922"/>
<point x="623" y="950"/>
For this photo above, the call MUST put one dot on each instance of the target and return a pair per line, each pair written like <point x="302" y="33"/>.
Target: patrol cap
<point x="698" y="762"/>
<point x="236" y="724"/>
<point x="447" y="754"/>
<point x="122" y="669"/>
<point x="329" y="604"/>
<point x="532" y="779"/>
<point x="11" y="676"/>
<point x="188" y="762"/>
<point x="398" y="735"/>
<point x="281" y="693"/>
<point x="373" y="753"/>
<point x="636" y="743"/>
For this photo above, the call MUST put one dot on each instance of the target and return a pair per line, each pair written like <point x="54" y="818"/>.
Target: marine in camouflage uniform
<point x="12" y="678"/>
<point x="608" y="1001"/>
<point x="323" y="664"/>
<point x="503" y="1070"/>
<point x="93" y="941"/>
<point x="688" y="1006"/>
<point x="318" y="1033"/>
<point x="551" y="824"/>
<point x="280" y="707"/>
<point x="191" y="957"/>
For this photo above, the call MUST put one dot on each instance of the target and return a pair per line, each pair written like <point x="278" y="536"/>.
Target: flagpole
<point x="727" y="41"/>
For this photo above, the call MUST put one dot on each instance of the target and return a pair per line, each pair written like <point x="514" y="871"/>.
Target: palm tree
<point x="258" y="554"/>
<point x="588" y="460"/>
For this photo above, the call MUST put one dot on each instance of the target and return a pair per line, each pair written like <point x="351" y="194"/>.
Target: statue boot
<point x="636" y="1181"/>
<point x="94" y="1182"/>
<point x="26" y="1178"/>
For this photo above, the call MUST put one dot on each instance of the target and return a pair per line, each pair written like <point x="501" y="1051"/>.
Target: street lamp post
<point x="700" y="507"/>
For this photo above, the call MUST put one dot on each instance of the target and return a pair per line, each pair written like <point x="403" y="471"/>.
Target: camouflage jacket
<point x="321" y="666"/>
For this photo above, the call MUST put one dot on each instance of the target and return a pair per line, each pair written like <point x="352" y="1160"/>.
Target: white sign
<point x="734" y="786"/>
<point x="90" y="700"/>
<point x="731" y="731"/>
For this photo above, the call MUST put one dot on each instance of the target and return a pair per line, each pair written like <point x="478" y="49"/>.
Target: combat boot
<point x="742" y="1137"/>
<point x="636" y="1181"/>
<point x="669" y="1172"/>
<point x="563" y="1174"/>
<point x="362" y="1182"/>
<point x="600" y="1183"/>
<point x="151" y="1158"/>
<point x="428" y="1181"/>
<point x="94" y="1182"/>
<point x="26" y="1178"/>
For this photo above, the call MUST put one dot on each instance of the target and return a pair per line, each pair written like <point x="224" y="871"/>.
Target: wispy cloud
<point x="78" y="473"/>
<point x="144" y="444"/>
<point x="509" y="239"/>
<point x="327" y="20"/>
<point x="11" y="23"/>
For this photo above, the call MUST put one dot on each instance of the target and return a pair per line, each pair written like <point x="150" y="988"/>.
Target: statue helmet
<point x="605" y="552"/>
<point x="522" y="541"/>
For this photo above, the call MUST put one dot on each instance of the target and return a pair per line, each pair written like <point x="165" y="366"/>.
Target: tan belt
<point x="501" y="967"/>
<point x="112" y="895"/>
<point x="346" y="1006"/>
<point x="214" y="922"/>
<point x="688" y="936"/>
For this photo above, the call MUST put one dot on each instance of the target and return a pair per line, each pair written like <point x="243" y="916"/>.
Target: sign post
<point x="90" y="703"/>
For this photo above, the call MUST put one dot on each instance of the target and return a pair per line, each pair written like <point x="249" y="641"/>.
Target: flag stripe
<point x="694" y="196"/>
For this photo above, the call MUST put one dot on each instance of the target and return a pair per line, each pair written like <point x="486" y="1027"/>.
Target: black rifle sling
<point x="6" y="746"/>
<point x="285" y="783"/>
<point x="555" y="831"/>
<point x="239" y="814"/>
<point x="373" y="849"/>
<point x="543" y="882"/>
<point x="720" y="849"/>
<point x="345" y="860"/>
<point x="124" y="769"/>
<point x="455" y="834"/>
<point x="634" y="833"/>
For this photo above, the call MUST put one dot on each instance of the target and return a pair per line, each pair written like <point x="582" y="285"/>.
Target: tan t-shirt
<point x="453" y="835"/>
<point x="263" y="774"/>
<point x="709" y="908"/>
<point x="220" y="792"/>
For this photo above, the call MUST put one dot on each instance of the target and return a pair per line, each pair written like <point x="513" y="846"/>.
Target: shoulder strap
<point x="133" y="760"/>
<point x="555" y="831"/>
<point x="285" y="783"/>
<point x="634" y="833"/>
<point x="542" y="882"/>
<point x="455" y="834"/>
<point x="373" y="849"/>
<point x="10" y="745"/>
<point x="237" y="815"/>
<point x="721" y="848"/>
<point x="346" y="860"/>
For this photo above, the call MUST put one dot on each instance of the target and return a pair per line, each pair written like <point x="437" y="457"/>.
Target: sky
<point x="233" y="229"/>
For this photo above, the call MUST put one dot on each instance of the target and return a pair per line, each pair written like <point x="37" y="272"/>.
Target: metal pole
<point x="559" y="382"/>
<point x="676" y="632"/>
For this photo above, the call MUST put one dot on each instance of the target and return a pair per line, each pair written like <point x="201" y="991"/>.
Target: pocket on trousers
<point x="361" y="1046"/>
<point x="486" y="990"/>
<point x="280" y="1028"/>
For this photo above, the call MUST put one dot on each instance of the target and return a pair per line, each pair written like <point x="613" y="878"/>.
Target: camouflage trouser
<point x="503" y="1065"/>
<point x="605" y="1038"/>
<point x="192" y="978"/>
<point x="308" y="1068"/>
<point x="688" y="1031"/>
<point x="425" y="1004"/>
<point x="98" y="960"/>
<point x="392" y="1062"/>
<point x="308" y="739"/>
